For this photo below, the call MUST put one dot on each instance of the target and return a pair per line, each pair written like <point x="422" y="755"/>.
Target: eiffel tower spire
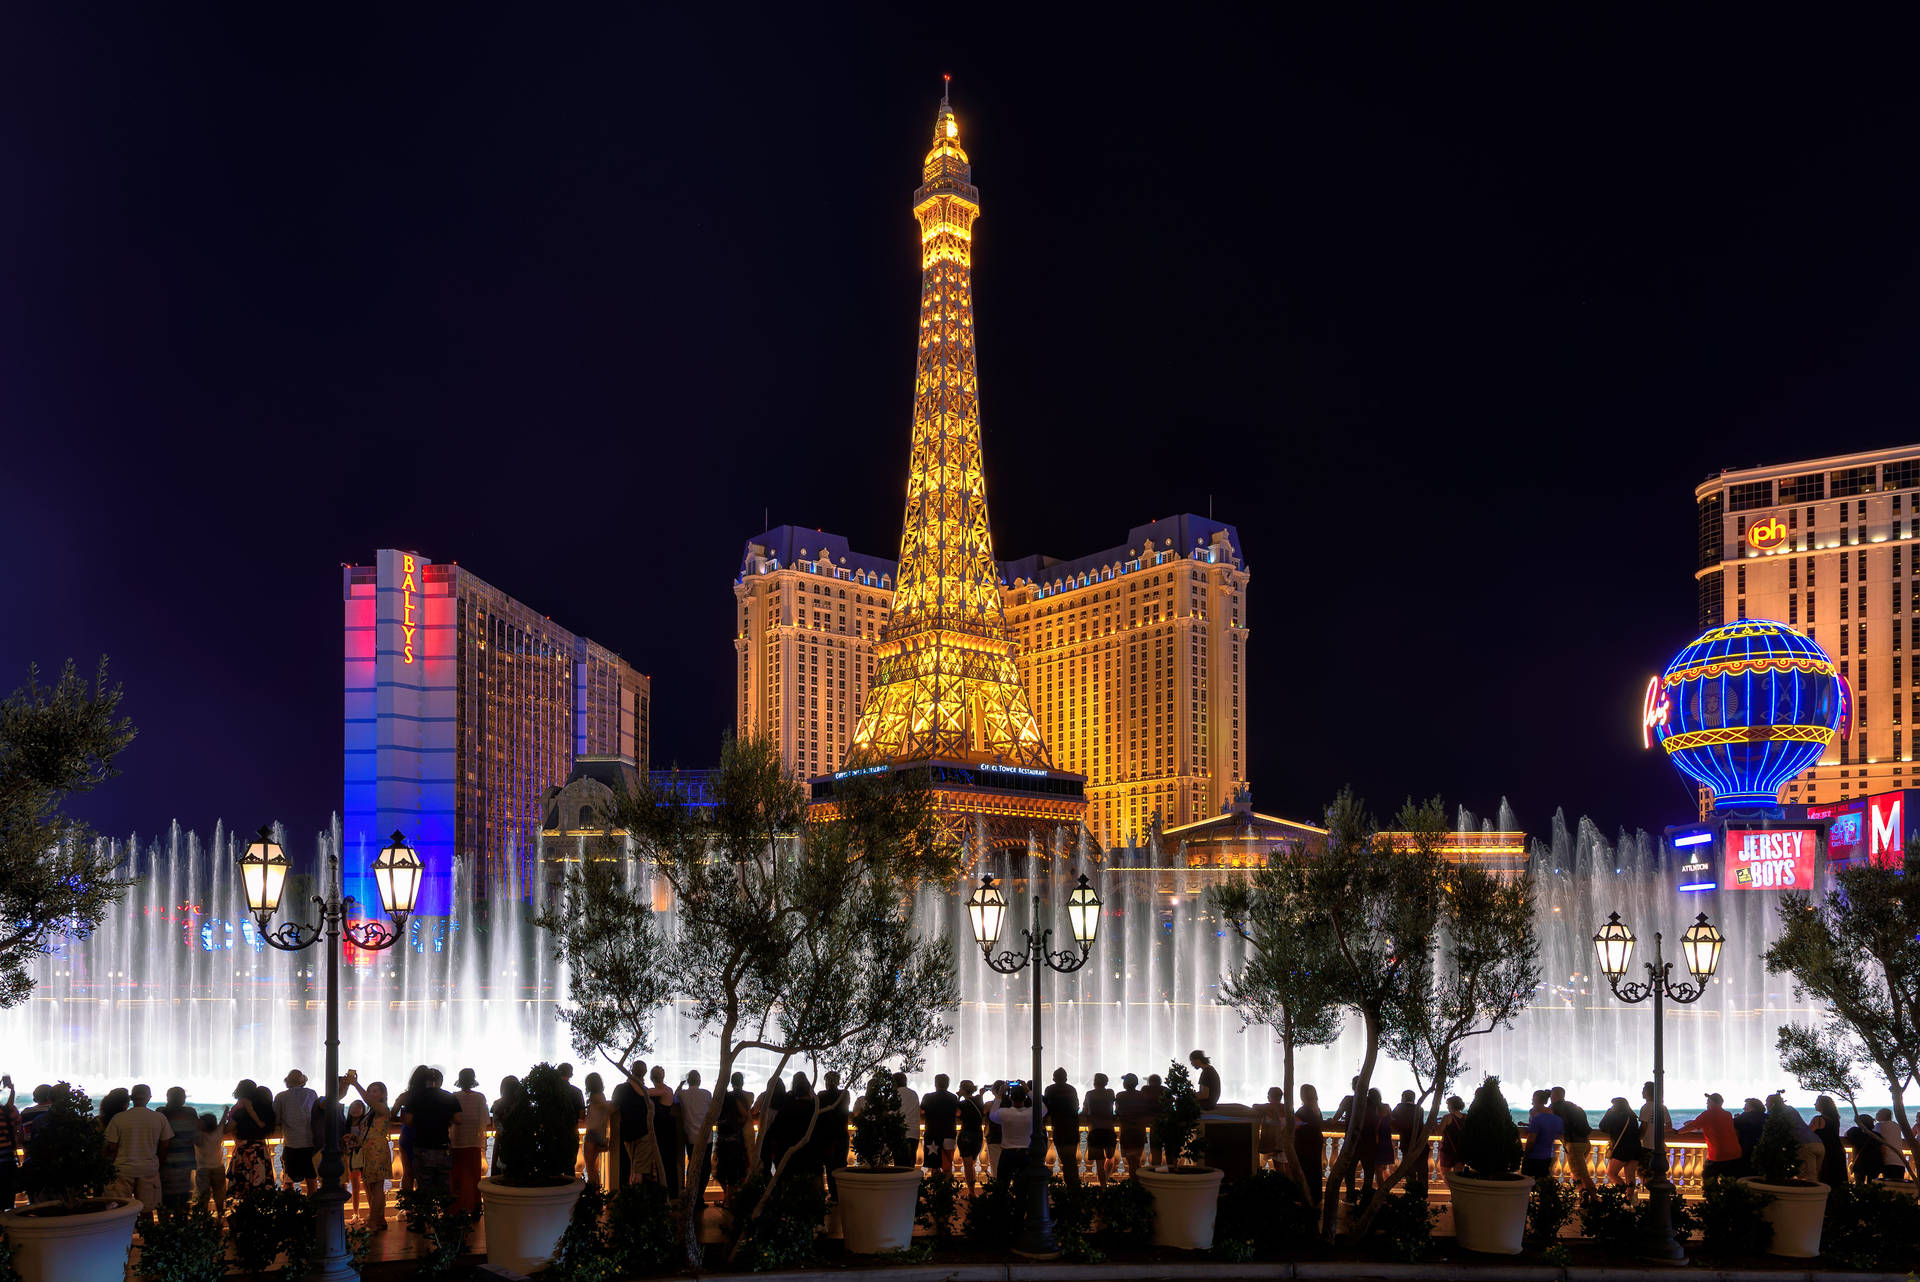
<point x="945" y="685"/>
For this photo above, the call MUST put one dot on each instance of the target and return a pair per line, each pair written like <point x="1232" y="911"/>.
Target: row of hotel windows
<point x="1809" y="487"/>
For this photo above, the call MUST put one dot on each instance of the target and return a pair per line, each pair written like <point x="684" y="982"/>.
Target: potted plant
<point x="1795" y="1207"/>
<point x="879" y="1197"/>
<point x="527" y="1208"/>
<point x="76" y="1235"/>
<point x="1490" y="1196"/>
<point x="1185" y="1194"/>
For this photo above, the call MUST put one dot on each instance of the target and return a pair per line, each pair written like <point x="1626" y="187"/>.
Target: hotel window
<point x="1843" y="631"/>
<point x="1793" y="572"/>
<point x="1844" y="601"/>
<point x="1752" y="494"/>
<point x="1741" y="590"/>
<point x="1793" y="609"/>
<point x="1897" y="754"/>
<point x="1862" y="634"/>
<point x="1810" y="565"/>
<point x="1903" y="475"/>
<point x="1863" y="600"/>
<point x="1863" y="561"/>
<point x="1895" y="589"/>
<point x="1809" y="595"/>
<point x="1843" y="562"/>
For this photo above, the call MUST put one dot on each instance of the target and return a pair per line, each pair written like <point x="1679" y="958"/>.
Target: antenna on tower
<point x="946" y="83"/>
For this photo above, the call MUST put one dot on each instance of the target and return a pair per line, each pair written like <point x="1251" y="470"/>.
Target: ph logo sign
<point x="1766" y="535"/>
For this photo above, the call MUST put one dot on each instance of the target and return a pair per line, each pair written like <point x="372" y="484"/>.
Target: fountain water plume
<point x="177" y="988"/>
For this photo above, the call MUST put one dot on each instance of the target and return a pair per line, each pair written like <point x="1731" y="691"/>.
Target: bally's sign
<point x="1766" y="534"/>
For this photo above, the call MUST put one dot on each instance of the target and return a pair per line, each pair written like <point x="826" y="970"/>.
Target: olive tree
<point x="1284" y="983"/>
<point x="56" y="881"/>
<point x="1856" y="951"/>
<point x="793" y="932"/>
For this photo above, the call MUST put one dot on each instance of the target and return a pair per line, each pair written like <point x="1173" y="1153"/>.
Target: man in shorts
<point x="1133" y="1111"/>
<point x="940" y="1112"/>
<point x="1576" y="1136"/>
<point x="293" y="1110"/>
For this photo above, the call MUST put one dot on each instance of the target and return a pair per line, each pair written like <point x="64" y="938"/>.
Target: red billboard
<point x="1770" y="859"/>
<point x="1887" y="829"/>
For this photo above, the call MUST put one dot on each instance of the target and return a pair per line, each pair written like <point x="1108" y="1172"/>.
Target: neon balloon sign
<point x="1654" y="711"/>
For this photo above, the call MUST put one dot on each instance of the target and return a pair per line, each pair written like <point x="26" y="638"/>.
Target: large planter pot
<point x="876" y="1208"/>
<point x="1795" y="1212"/>
<point x="89" y="1247"/>
<point x="524" y="1224"/>
<point x="1184" y="1201"/>
<point x="1490" y="1215"/>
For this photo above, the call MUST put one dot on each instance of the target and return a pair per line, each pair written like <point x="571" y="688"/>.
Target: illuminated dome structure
<point x="1745" y="708"/>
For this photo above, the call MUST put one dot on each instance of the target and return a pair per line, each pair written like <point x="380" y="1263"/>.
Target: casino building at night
<point x="1826" y="545"/>
<point x="464" y="709"/>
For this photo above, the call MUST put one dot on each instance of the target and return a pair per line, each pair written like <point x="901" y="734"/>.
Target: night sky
<point x="1447" y="315"/>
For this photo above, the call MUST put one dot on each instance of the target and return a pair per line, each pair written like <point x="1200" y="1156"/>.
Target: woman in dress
<point x="511" y="1095"/>
<point x="375" y="1166"/>
<point x="350" y="1138"/>
<point x="1309" y="1141"/>
<point x="250" y="1167"/>
<point x="1096" y="1110"/>
<point x="730" y="1137"/>
<point x="968" y="1137"/>
<point x="1624" y="1154"/>
<point x="1826" y="1124"/>
<point x="599" y="1111"/>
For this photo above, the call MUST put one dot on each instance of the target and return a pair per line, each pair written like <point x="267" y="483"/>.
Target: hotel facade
<point x="1826" y="545"/>
<point x="463" y="709"/>
<point x="1133" y="659"/>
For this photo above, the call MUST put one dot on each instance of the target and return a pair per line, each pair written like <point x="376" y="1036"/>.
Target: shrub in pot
<point x="878" y="1198"/>
<point x="1796" y="1206"/>
<point x="528" y="1207"/>
<point x="75" y="1235"/>
<point x="1185" y="1194"/>
<point x="1490" y="1196"/>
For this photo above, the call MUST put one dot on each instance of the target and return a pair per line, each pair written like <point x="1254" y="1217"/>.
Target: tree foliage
<point x="1857" y="952"/>
<point x="55" y="882"/>
<point x="1822" y="1059"/>
<point x="1286" y="982"/>
<point x="793" y="934"/>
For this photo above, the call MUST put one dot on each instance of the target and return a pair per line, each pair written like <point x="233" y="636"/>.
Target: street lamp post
<point x="263" y="871"/>
<point x="987" y="909"/>
<point x="1701" y="947"/>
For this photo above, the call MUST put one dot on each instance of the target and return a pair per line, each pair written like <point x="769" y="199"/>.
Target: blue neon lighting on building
<point x="1693" y="839"/>
<point x="1693" y="886"/>
<point x="1754" y="704"/>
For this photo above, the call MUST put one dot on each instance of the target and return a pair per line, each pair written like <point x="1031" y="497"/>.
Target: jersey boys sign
<point x="1775" y="859"/>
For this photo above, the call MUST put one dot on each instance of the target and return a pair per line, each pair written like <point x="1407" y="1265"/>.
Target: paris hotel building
<point x="463" y="709"/>
<point x="1134" y="659"/>
<point x="1828" y="546"/>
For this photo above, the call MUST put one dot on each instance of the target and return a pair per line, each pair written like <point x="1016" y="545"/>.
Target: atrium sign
<point x="1766" y="534"/>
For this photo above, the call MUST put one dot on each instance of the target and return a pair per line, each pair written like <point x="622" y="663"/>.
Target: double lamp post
<point x="987" y="909"/>
<point x="396" y="872"/>
<point x="1701" y="947"/>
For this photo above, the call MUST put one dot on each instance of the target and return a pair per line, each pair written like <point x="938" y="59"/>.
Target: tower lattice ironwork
<point x="945" y="684"/>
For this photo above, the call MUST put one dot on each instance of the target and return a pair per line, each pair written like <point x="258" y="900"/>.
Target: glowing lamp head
<point x="263" y="871"/>
<point x="396" y="872"/>
<point x="1701" y="947"/>
<point x="986" y="909"/>
<point x="1745" y="708"/>
<point x="1083" y="913"/>
<point x="1614" y="943"/>
<point x="953" y="127"/>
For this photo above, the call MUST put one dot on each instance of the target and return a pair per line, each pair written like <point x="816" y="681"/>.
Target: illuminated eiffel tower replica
<point x="946" y="698"/>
